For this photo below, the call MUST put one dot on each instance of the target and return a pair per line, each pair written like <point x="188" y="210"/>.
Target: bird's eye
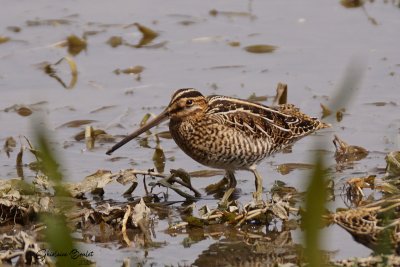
<point x="189" y="102"/>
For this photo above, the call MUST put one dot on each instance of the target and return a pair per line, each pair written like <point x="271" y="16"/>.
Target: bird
<point x="376" y="225"/>
<point x="229" y="133"/>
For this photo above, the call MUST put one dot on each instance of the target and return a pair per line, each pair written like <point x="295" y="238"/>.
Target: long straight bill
<point x="157" y="120"/>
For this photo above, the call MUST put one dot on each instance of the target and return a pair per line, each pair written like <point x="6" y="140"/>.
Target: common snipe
<point x="229" y="133"/>
<point x="375" y="225"/>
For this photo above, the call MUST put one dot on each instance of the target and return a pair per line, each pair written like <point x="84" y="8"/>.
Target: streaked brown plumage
<point x="229" y="133"/>
<point x="374" y="225"/>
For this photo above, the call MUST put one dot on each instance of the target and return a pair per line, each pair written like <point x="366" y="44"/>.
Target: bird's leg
<point x="258" y="194"/>
<point x="231" y="187"/>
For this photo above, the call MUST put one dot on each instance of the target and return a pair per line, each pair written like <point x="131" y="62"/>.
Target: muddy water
<point x="316" y="40"/>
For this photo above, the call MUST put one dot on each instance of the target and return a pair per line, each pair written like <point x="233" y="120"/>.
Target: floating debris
<point x="93" y="183"/>
<point x="75" y="44"/>
<point x="24" y="111"/>
<point x="352" y="3"/>
<point x="14" y="29"/>
<point x="382" y="104"/>
<point x="326" y="112"/>
<point x="356" y="185"/>
<point x="18" y="163"/>
<point x="4" y="39"/>
<point x="75" y="123"/>
<point x="234" y="44"/>
<point x="287" y="168"/>
<point x="281" y="94"/>
<point x="214" y="13"/>
<point x="159" y="158"/>
<point x="9" y="145"/>
<point x="131" y="70"/>
<point x="227" y="67"/>
<point x="89" y="137"/>
<point x="103" y="108"/>
<point x="115" y="41"/>
<point x="260" y="49"/>
<point x="148" y="35"/>
<point x="348" y="153"/>
<point x="165" y="135"/>
<point x="49" y="69"/>
<point x="255" y="98"/>
<point x="47" y="22"/>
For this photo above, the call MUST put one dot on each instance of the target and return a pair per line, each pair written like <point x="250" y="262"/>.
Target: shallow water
<point x="316" y="40"/>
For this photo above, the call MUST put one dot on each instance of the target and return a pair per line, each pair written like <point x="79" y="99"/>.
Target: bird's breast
<point x="217" y="145"/>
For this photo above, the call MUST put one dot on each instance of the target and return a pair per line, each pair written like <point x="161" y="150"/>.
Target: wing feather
<point x="284" y="122"/>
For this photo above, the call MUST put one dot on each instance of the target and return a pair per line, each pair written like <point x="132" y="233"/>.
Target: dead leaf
<point x="289" y="167"/>
<point x="352" y="3"/>
<point x="103" y="108"/>
<point x="19" y="165"/>
<point x="75" y="44"/>
<point x="325" y="111"/>
<point x="258" y="49"/>
<point x="9" y="145"/>
<point x="234" y="44"/>
<point x="89" y="137"/>
<point x="165" y="135"/>
<point x="131" y="70"/>
<point x="159" y="159"/>
<point x="148" y="35"/>
<point x="4" y="39"/>
<point x="347" y="153"/>
<point x="97" y="180"/>
<point x="145" y="118"/>
<point x="115" y="41"/>
<point x="339" y="115"/>
<point x="15" y="29"/>
<point x="126" y="176"/>
<point x="381" y="104"/>
<point x="253" y="97"/>
<point x="140" y="212"/>
<point x="75" y="123"/>
<point x="104" y="137"/>
<point x="281" y="94"/>
<point x="48" y="22"/>
<point x="24" y="111"/>
<point x="81" y="135"/>
<point x="50" y="70"/>
<point x="214" y="13"/>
